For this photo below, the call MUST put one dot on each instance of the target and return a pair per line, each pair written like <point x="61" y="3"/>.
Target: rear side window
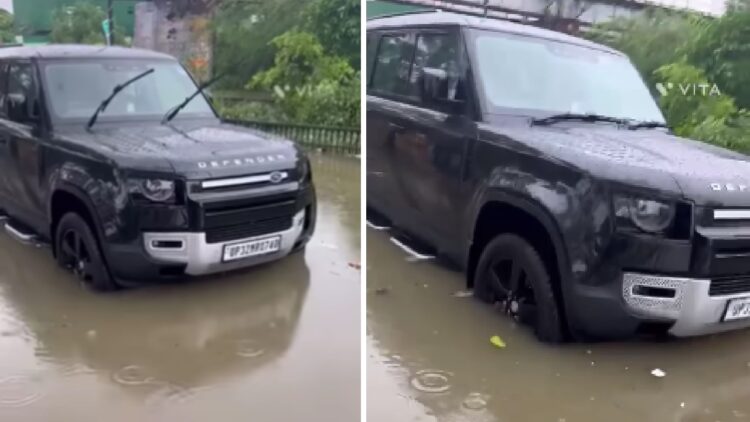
<point x="22" y="92"/>
<point x="3" y="88"/>
<point x="393" y="64"/>
<point x="372" y="46"/>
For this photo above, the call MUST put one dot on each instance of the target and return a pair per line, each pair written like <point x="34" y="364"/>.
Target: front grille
<point x="233" y="220"/>
<point x="245" y="230"/>
<point x="729" y="286"/>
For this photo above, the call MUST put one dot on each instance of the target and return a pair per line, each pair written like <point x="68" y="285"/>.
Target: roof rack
<point x="405" y="12"/>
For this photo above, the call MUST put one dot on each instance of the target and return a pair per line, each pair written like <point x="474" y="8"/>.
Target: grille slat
<point x="727" y="286"/>
<point x="241" y="231"/>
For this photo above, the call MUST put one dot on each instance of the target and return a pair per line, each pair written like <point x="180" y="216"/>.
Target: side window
<point x="393" y="63"/>
<point x="438" y="52"/>
<point x="22" y="99"/>
<point x="372" y="48"/>
<point x="3" y="89"/>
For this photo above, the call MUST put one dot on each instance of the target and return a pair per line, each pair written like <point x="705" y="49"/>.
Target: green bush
<point x="310" y="86"/>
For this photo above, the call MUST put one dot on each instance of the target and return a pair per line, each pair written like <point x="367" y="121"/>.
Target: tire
<point x="533" y="299"/>
<point x="77" y="250"/>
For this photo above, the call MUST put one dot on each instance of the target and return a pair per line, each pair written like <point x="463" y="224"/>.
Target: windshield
<point x="76" y="88"/>
<point x="537" y="75"/>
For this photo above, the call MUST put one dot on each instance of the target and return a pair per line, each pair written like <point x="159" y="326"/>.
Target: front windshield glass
<point x="76" y="88"/>
<point x="537" y="75"/>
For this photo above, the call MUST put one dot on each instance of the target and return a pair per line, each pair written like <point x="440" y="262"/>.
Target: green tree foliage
<point x="651" y="40"/>
<point x="80" y="24"/>
<point x="336" y="23"/>
<point x="721" y="47"/>
<point x="243" y="33"/>
<point x="7" y="30"/>
<point x="309" y="85"/>
<point x="685" y="50"/>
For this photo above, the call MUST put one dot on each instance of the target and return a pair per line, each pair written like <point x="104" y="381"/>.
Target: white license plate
<point x="738" y="309"/>
<point x="252" y="248"/>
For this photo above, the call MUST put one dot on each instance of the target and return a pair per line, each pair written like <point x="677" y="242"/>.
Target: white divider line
<point x="415" y="255"/>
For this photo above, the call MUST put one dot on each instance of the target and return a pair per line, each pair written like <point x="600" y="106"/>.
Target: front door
<point x="430" y="153"/>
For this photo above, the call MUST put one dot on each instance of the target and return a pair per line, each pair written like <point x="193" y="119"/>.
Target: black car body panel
<point x="49" y="161"/>
<point x="433" y="172"/>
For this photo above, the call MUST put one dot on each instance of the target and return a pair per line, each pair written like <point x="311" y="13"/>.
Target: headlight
<point x="649" y="215"/>
<point x="156" y="190"/>
<point x="303" y="169"/>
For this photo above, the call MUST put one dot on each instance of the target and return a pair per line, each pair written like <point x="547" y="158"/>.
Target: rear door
<point x="22" y="128"/>
<point x="5" y="161"/>
<point x="387" y="121"/>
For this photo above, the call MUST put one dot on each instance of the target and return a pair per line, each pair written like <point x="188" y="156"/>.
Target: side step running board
<point x="375" y="226"/>
<point x="19" y="235"/>
<point x="415" y="256"/>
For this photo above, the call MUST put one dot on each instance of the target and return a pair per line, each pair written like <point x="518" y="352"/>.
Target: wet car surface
<point x="429" y="358"/>
<point x="277" y="342"/>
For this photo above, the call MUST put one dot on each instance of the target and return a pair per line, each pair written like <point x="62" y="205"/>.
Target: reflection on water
<point x="430" y="359"/>
<point x="218" y="347"/>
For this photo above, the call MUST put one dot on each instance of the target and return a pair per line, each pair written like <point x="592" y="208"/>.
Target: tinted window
<point x="437" y="51"/>
<point x="3" y="87"/>
<point x="372" y="45"/>
<point x="22" y="91"/>
<point x="392" y="64"/>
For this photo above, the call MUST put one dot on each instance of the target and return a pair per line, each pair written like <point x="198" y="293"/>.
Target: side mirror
<point x="21" y="110"/>
<point x="439" y="90"/>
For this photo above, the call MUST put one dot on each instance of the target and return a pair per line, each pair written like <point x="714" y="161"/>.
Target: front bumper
<point x="686" y="303"/>
<point x="201" y="257"/>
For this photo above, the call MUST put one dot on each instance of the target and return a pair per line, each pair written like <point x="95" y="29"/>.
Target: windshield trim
<point x="104" y="119"/>
<point x="486" y="107"/>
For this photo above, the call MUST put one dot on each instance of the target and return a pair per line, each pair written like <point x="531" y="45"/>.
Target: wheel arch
<point x="69" y="198"/>
<point x="530" y="220"/>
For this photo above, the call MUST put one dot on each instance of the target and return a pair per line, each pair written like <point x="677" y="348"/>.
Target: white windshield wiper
<point x="115" y="91"/>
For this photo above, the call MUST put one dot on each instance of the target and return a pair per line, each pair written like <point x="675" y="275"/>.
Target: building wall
<point x="34" y="17"/>
<point x="184" y="35"/>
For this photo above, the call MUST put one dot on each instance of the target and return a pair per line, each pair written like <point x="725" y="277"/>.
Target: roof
<point x="65" y="51"/>
<point x="431" y="18"/>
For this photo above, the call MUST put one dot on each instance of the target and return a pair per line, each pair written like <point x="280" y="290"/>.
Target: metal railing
<point x="324" y="138"/>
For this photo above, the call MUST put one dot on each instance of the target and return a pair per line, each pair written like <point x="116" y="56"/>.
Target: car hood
<point x="195" y="150"/>
<point x="648" y="158"/>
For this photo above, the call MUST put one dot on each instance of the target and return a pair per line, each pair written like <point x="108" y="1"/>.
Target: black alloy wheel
<point x="78" y="251"/>
<point x="511" y="272"/>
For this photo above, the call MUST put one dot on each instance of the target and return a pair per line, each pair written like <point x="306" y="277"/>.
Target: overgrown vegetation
<point x="7" y="30"/>
<point x="80" y="24"/>
<point x="702" y="64"/>
<point x="303" y="54"/>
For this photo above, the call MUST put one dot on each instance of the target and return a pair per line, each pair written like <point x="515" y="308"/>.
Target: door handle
<point x="394" y="128"/>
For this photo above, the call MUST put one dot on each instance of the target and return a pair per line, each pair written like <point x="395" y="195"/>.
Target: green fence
<point x="325" y="138"/>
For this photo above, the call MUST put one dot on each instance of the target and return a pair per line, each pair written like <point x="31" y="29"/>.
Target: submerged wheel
<point x="78" y="251"/>
<point x="510" y="271"/>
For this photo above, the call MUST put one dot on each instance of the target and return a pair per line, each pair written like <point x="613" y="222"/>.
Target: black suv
<point x="116" y="158"/>
<point x="540" y="164"/>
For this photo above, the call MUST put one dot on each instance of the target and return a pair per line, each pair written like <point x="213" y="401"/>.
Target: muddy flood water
<point x="430" y="359"/>
<point x="279" y="342"/>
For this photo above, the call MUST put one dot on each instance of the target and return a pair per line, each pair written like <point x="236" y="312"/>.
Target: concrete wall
<point x="185" y="35"/>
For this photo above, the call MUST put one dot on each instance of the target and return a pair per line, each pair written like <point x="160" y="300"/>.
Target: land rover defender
<point x="115" y="158"/>
<point x="540" y="164"/>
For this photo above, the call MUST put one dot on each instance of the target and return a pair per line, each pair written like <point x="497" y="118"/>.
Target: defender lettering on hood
<point x="237" y="162"/>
